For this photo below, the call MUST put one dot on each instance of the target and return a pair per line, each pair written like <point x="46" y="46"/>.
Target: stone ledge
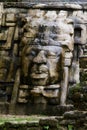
<point x="4" y="107"/>
<point x="75" y="114"/>
<point x="46" y="123"/>
<point x="52" y="122"/>
<point x="50" y="5"/>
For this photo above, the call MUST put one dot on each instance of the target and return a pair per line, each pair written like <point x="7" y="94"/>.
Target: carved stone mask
<point x="41" y="65"/>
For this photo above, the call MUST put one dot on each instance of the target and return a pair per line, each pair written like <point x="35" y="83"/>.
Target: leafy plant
<point x="46" y="127"/>
<point x="70" y="127"/>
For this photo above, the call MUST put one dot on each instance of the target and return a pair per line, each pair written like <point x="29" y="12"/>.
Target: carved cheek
<point x="25" y="65"/>
<point x="59" y="64"/>
<point x="52" y="65"/>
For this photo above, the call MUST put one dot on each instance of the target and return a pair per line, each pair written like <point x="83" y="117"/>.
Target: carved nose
<point x="40" y="58"/>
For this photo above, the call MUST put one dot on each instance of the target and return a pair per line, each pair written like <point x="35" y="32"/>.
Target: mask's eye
<point x="31" y="54"/>
<point x="52" y="55"/>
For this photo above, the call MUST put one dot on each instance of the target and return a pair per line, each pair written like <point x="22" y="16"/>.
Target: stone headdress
<point x="49" y="31"/>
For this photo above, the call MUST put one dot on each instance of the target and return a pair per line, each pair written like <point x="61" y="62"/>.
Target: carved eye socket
<point x="32" y="53"/>
<point x="52" y="55"/>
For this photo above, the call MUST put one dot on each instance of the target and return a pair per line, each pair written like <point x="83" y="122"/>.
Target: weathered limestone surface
<point x="70" y="120"/>
<point x="43" y="53"/>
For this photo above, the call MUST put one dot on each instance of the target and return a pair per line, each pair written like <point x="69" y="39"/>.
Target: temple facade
<point x="43" y="56"/>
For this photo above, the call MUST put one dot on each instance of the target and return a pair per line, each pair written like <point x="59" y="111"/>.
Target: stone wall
<point x="19" y="23"/>
<point x="76" y="120"/>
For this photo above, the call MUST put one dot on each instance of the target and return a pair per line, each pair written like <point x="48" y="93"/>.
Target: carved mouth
<point x="39" y="72"/>
<point x="38" y="75"/>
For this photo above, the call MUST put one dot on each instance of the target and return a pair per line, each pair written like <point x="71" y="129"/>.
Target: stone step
<point x="85" y="46"/>
<point x="85" y="51"/>
<point x="83" y="61"/>
<point x="4" y="107"/>
<point x="83" y="56"/>
<point x="47" y="1"/>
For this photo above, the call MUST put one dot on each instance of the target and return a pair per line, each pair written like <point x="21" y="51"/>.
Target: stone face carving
<point x="46" y="49"/>
<point x="40" y="50"/>
<point x="42" y="64"/>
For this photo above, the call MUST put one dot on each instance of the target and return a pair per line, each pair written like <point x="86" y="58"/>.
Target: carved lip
<point x="39" y="72"/>
<point x="39" y="75"/>
<point x="39" y="69"/>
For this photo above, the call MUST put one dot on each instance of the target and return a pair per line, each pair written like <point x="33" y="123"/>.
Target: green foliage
<point x="46" y="127"/>
<point x="74" y="89"/>
<point x="18" y="118"/>
<point x="70" y="127"/>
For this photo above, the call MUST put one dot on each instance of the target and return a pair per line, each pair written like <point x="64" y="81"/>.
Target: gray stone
<point x="10" y="17"/>
<point x="67" y="62"/>
<point x="75" y="114"/>
<point x="67" y="122"/>
<point x="3" y="19"/>
<point x="3" y="36"/>
<point x="52" y="122"/>
<point x="83" y="61"/>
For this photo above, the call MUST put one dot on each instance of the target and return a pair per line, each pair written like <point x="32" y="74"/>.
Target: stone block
<point x="75" y="114"/>
<point x="0" y="22"/>
<point x="4" y="107"/>
<point x="73" y="6"/>
<point x="83" y="75"/>
<point x="33" y="124"/>
<point x="66" y="122"/>
<point x="83" y="34"/>
<point x="83" y="61"/>
<point x="30" y="34"/>
<point x="22" y="100"/>
<point x="10" y="17"/>
<point x="50" y="92"/>
<point x="3" y="36"/>
<point x="0" y="19"/>
<point x="15" y="125"/>
<point x="16" y="34"/>
<point x="33" y="128"/>
<point x="51" y="122"/>
<point x="67" y="62"/>
<point x="59" y="118"/>
<point x="62" y="14"/>
<point x="23" y="86"/>
<point x="23" y="93"/>
<point x="3" y="19"/>
<point x="10" y="24"/>
<point x="15" y="50"/>
<point x="77" y="40"/>
<point x="86" y="46"/>
<point x="85" y="51"/>
<point x="1" y="6"/>
<point x="9" y="38"/>
<point x="68" y="55"/>
<point x="51" y="15"/>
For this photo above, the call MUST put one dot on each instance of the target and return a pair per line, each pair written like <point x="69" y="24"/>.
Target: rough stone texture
<point x="58" y="28"/>
<point x="75" y="114"/>
<point x="52" y="123"/>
